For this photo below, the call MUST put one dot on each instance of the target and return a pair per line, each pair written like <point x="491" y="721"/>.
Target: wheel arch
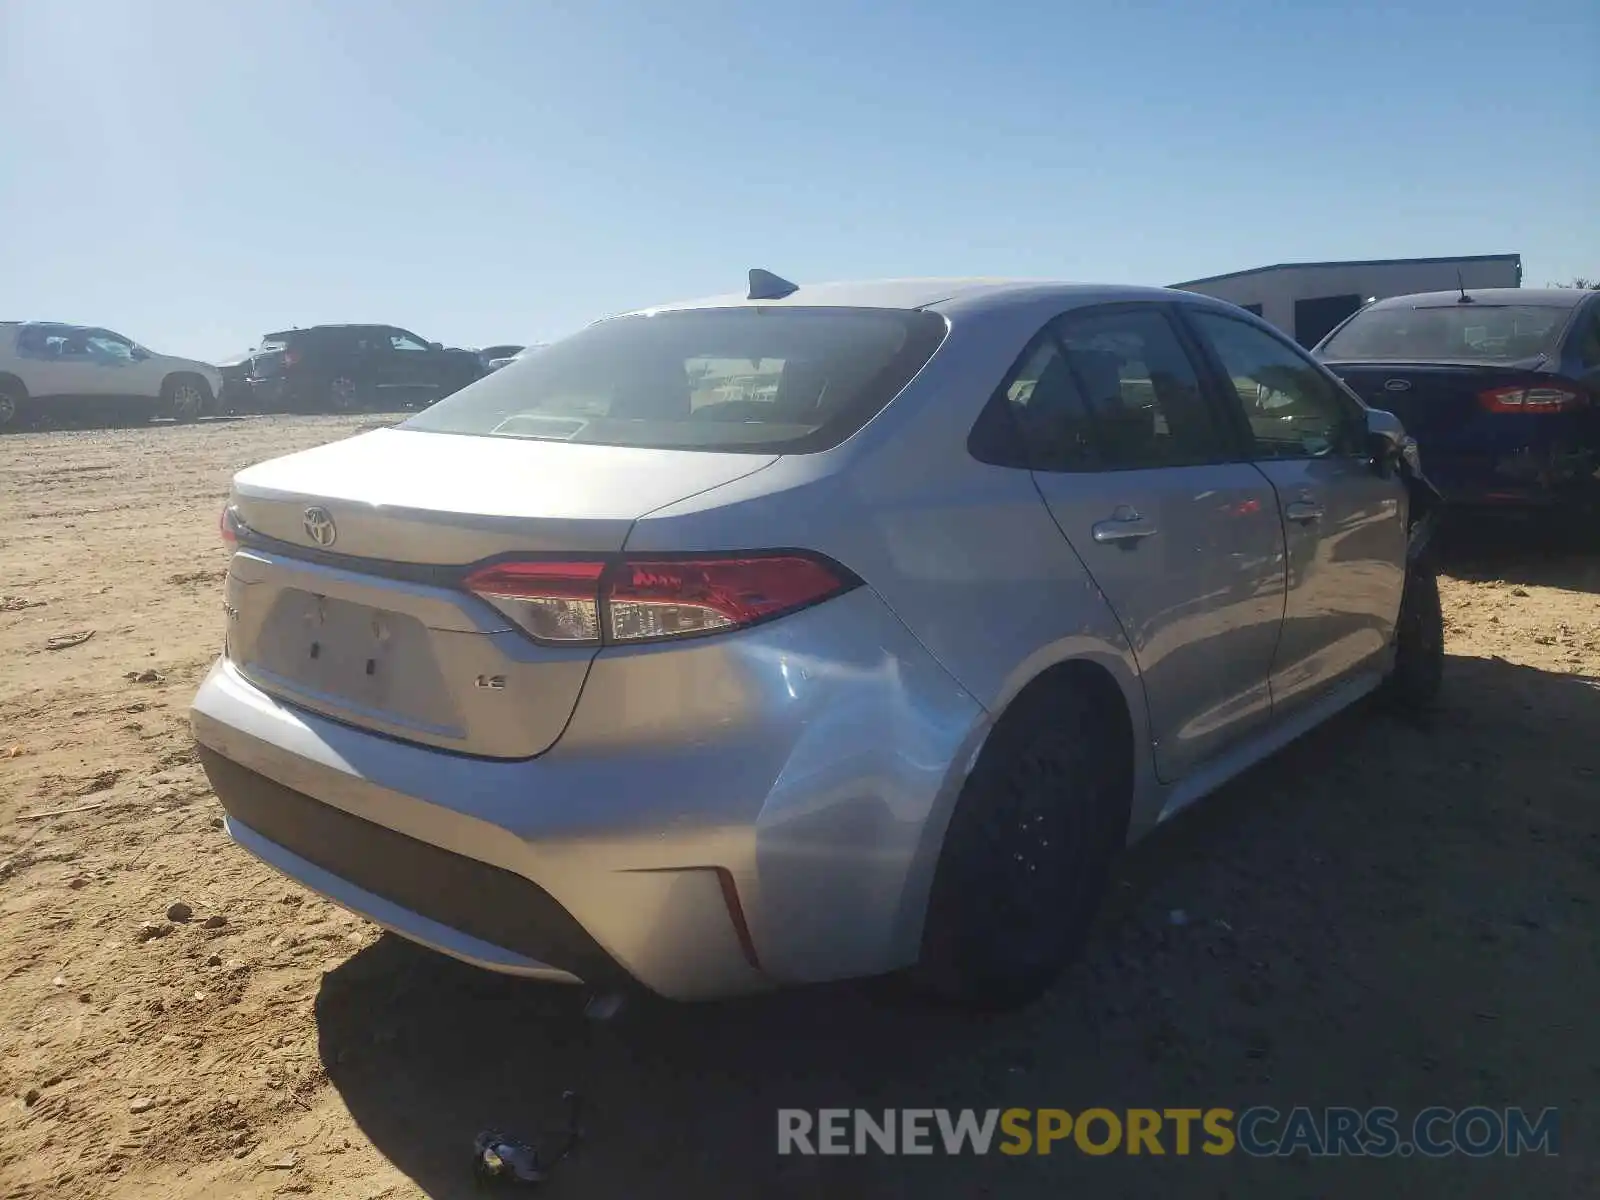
<point x="1108" y="675"/>
<point x="15" y="383"/>
<point x="170" y="379"/>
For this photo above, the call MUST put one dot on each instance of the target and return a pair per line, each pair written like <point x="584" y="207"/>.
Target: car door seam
<point x="1283" y="605"/>
<point x="1133" y="653"/>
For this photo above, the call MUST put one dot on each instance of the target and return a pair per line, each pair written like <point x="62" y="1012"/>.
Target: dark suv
<point x="342" y="368"/>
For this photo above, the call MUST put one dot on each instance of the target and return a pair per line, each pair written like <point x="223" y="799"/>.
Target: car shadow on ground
<point x="1388" y="912"/>
<point x="1526" y="550"/>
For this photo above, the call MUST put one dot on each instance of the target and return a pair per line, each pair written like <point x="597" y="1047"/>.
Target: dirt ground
<point x="1383" y="914"/>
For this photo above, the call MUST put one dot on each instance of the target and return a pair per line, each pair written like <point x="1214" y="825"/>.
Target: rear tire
<point x="1028" y="852"/>
<point x="13" y="406"/>
<point x="1413" y="684"/>
<point x="344" y="395"/>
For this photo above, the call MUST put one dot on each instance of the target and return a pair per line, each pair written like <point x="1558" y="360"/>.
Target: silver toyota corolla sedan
<point x="814" y="632"/>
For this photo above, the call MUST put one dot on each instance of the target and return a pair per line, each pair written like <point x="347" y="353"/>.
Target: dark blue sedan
<point x="1500" y="387"/>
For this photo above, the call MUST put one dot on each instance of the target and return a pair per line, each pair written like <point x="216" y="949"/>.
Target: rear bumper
<point x="449" y="901"/>
<point x="235" y="391"/>
<point x="1542" y="476"/>
<point x="768" y="810"/>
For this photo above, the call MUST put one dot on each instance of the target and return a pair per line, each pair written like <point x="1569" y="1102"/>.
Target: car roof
<point x="1534" y="297"/>
<point x="945" y="294"/>
<point x="320" y="328"/>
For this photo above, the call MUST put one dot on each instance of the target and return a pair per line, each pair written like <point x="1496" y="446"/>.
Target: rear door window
<point x="772" y="380"/>
<point x="1143" y="393"/>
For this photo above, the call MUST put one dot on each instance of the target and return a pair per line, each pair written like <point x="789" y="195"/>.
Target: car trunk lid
<point x="1431" y="398"/>
<point x="344" y="595"/>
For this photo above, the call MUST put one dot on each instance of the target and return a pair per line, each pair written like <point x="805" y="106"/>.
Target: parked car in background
<point x="496" y="363"/>
<point x="343" y="368"/>
<point x="235" y="371"/>
<point x="1501" y="387"/>
<point x="502" y="354"/>
<point x="50" y="369"/>
<point x="809" y="633"/>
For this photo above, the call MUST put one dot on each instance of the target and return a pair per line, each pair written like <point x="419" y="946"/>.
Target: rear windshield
<point x="782" y="380"/>
<point x="1474" y="332"/>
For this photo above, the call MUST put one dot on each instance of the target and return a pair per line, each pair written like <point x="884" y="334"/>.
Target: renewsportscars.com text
<point x="1259" y="1132"/>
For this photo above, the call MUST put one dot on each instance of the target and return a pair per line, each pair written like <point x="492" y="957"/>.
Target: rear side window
<point x="783" y="380"/>
<point x="1048" y="412"/>
<point x="35" y="340"/>
<point x="1459" y="332"/>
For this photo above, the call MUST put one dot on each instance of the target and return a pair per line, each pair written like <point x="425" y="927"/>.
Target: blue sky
<point x="196" y="173"/>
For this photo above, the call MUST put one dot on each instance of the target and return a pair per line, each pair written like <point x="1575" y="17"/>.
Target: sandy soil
<point x="1385" y="913"/>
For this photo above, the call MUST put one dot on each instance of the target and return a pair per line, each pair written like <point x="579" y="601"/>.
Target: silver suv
<point x="816" y="632"/>
<point x="50" y="369"/>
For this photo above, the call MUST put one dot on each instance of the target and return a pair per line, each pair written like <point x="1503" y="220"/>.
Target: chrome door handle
<point x="1125" y="527"/>
<point x="1304" y="511"/>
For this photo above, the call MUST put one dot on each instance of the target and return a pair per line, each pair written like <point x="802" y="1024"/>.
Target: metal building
<point x="1309" y="299"/>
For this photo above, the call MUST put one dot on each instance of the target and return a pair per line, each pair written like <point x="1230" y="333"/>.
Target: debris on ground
<point x="62" y="641"/>
<point x="64" y="812"/>
<point x="148" y="675"/>
<point x="498" y="1158"/>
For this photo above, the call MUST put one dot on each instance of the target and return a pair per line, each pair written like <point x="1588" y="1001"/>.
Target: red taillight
<point x="672" y="597"/>
<point x="645" y="599"/>
<point x="1545" y="398"/>
<point x="228" y="526"/>
<point x="291" y="358"/>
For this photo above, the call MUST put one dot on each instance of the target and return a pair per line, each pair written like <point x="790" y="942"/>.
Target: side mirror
<point x="435" y="345"/>
<point x="139" y="353"/>
<point x="1386" y="439"/>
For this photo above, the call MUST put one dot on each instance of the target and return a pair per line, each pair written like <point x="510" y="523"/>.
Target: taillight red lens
<point x="291" y="358"/>
<point x="554" y="601"/>
<point x="648" y="598"/>
<point x="228" y="526"/>
<point x="1547" y="398"/>
<point x="644" y="599"/>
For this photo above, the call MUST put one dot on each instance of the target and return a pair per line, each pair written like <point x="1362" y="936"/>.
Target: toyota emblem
<point x="319" y="526"/>
<point x="1397" y="385"/>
